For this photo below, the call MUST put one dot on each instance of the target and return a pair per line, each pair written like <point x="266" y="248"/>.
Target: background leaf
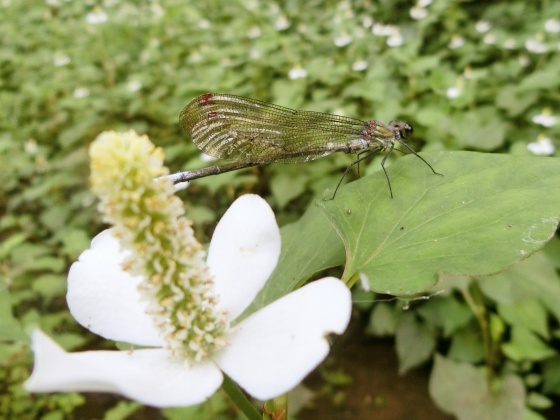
<point x="415" y="343"/>
<point x="533" y="278"/>
<point x="461" y="389"/>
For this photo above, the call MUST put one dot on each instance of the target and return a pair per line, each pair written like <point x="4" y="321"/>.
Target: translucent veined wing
<point x="242" y="129"/>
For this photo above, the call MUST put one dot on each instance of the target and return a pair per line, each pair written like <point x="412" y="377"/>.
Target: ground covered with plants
<point x="477" y="80"/>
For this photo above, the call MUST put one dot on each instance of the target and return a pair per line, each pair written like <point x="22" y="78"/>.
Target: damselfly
<point x="251" y="132"/>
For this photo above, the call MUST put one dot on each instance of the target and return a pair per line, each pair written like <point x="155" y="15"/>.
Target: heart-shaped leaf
<point x="486" y="212"/>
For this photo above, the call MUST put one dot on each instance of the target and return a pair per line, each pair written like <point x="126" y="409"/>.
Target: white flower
<point x="395" y="39"/>
<point x="96" y="17"/>
<point x="482" y="26"/>
<point x="418" y="13"/>
<point x="297" y="73"/>
<point x="254" y="32"/>
<point x="282" y="23"/>
<point x="267" y="353"/>
<point x="60" y="60"/>
<point x="552" y="26"/>
<point x="157" y="10"/>
<point x="543" y="146"/>
<point x="378" y="29"/>
<point x="367" y="22"/>
<point x="457" y="41"/>
<point x="204" y="24"/>
<point x="30" y="146"/>
<point x="255" y="53"/>
<point x="536" y="46"/>
<point x="523" y="60"/>
<point x="81" y="92"/>
<point x="545" y="119"/>
<point x="490" y="39"/>
<point x="134" y="86"/>
<point x="360" y="65"/>
<point x="453" y="92"/>
<point x="510" y="44"/>
<point x="342" y="40"/>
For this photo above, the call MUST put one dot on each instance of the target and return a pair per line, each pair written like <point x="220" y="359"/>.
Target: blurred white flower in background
<point x="360" y="65"/>
<point x="457" y="41"/>
<point x="536" y="46"/>
<point x="482" y="26"/>
<point x="81" y="92"/>
<point x="342" y="40"/>
<point x="545" y="118"/>
<point x="60" y="60"/>
<point x="552" y="26"/>
<point x="543" y="146"/>
<point x="297" y="73"/>
<point x="96" y="17"/>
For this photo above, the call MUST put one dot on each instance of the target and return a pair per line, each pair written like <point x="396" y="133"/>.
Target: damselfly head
<point x="402" y="129"/>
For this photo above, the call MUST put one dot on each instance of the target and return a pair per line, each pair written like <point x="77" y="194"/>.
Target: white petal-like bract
<point x="148" y="376"/>
<point x="104" y="298"/>
<point x="243" y="253"/>
<point x="273" y="350"/>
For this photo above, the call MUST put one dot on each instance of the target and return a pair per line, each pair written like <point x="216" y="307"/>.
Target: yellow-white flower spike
<point x="149" y="221"/>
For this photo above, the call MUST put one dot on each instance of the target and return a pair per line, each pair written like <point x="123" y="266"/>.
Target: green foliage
<point x="482" y="204"/>
<point x="69" y="70"/>
<point x="506" y="317"/>
<point x="504" y="400"/>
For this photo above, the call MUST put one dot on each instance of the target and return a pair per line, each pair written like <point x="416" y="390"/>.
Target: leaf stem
<point x="474" y="300"/>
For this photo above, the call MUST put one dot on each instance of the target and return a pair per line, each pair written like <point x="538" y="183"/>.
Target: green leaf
<point x="447" y="313"/>
<point x="382" y="320"/>
<point x="122" y="410"/>
<point x="50" y="285"/>
<point x="209" y="410"/>
<point x="513" y="101"/>
<point x="10" y="327"/>
<point x="525" y="345"/>
<point x="535" y="277"/>
<point x="538" y="401"/>
<point x="551" y="375"/>
<point x="10" y="242"/>
<point x="496" y="328"/>
<point x="532" y="415"/>
<point x="546" y="78"/>
<point x="74" y="241"/>
<point x="552" y="250"/>
<point x="461" y="389"/>
<point x="466" y="346"/>
<point x="415" y="343"/>
<point x="285" y="187"/>
<point x="53" y="264"/>
<point x="528" y="313"/>
<point x="362" y="300"/>
<point x="480" y="129"/>
<point x="483" y="205"/>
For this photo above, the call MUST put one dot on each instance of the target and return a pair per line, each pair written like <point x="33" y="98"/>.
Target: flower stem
<point x="239" y="399"/>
